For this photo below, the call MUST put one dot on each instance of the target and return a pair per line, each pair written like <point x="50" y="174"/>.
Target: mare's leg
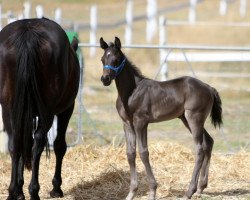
<point x="15" y="190"/>
<point x="20" y="179"/>
<point x="131" y="155"/>
<point x="207" y="146"/>
<point x="40" y="137"/>
<point x="141" y="133"/>
<point x="196" y="122"/>
<point x="60" y="148"/>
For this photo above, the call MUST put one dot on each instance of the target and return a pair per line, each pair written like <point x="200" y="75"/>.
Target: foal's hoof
<point x="199" y="192"/>
<point x="151" y="195"/>
<point x="56" y="193"/>
<point x="130" y="196"/>
<point x="188" y="195"/>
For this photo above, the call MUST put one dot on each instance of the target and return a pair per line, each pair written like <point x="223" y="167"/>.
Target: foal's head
<point x="113" y="60"/>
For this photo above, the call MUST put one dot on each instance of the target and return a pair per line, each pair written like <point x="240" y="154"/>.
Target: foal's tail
<point x="216" y="113"/>
<point x="27" y="100"/>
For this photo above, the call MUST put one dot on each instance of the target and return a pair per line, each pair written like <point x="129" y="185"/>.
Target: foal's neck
<point x="127" y="81"/>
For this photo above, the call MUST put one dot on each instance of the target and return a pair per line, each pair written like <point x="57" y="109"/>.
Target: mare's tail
<point x="216" y="113"/>
<point x="27" y="100"/>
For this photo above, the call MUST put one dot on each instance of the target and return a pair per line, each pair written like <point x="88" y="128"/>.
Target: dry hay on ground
<point x="96" y="173"/>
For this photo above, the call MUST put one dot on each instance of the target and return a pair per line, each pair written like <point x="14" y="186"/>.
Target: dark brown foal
<point x="142" y="101"/>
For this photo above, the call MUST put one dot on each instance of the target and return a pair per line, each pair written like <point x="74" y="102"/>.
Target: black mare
<point x="142" y="101"/>
<point x="39" y="76"/>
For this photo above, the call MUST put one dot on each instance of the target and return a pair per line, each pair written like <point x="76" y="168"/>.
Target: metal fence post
<point x="151" y="19"/>
<point x="93" y="27"/>
<point x="58" y="15"/>
<point x="27" y="9"/>
<point x="192" y="11"/>
<point x="1" y="25"/>
<point x="223" y="7"/>
<point x="243" y="8"/>
<point x="39" y="11"/>
<point x="162" y="41"/>
<point x="129" y="21"/>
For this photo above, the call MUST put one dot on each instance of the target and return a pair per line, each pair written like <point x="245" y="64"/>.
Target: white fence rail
<point x="151" y="13"/>
<point x="211" y="57"/>
<point x="202" y="54"/>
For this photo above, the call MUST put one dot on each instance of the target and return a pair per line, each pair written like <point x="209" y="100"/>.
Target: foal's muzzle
<point x="106" y="80"/>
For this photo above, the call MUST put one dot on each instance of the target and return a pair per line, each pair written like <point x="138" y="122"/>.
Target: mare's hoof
<point x="56" y="193"/>
<point x="10" y="198"/>
<point x="35" y="198"/>
<point x="19" y="197"/>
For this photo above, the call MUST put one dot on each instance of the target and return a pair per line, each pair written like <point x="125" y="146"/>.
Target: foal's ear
<point x="118" y="43"/>
<point x="74" y="43"/>
<point x="103" y="44"/>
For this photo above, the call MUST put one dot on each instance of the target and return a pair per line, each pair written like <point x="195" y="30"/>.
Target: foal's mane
<point x="136" y="71"/>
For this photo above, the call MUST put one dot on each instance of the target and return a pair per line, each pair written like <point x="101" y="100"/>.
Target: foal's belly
<point x="164" y="113"/>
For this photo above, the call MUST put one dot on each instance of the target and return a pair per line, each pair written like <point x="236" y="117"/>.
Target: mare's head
<point x="113" y="60"/>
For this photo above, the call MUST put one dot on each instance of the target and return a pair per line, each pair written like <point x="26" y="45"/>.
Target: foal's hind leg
<point x="196" y="122"/>
<point x="131" y="155"/>
<point x="207" y="147"/>
<point x="60" y="148"/>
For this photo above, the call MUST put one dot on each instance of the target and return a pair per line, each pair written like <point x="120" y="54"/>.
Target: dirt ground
<point x="96" y="173"/>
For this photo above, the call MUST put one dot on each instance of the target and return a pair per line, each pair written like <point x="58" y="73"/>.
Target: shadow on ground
<point x="230" y="193"/>
<point x="111" y="185"/>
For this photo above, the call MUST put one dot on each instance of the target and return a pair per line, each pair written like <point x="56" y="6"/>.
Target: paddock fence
<point x="231" y="78"/>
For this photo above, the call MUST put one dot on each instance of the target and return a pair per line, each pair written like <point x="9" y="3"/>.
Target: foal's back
<point x="169" y="99"/>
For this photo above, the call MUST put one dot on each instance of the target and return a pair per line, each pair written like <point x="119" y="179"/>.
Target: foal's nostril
<point x="105" y="79"/>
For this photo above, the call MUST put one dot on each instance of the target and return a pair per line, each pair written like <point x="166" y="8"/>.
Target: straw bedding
<point x="96" y="173"/>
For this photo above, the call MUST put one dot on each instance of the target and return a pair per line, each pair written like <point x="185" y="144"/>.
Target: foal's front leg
<point x="141" y="133"/>
<point x="131" y="155"/>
